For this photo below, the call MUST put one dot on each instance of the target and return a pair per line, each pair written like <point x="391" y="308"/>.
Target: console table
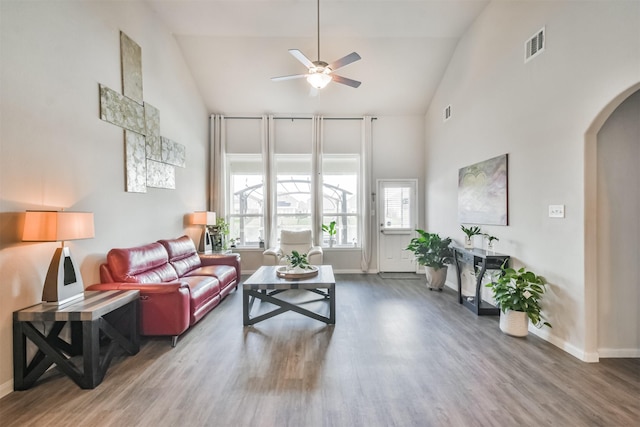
<point x="481" y="261"/>
<point x="89" y="326"/>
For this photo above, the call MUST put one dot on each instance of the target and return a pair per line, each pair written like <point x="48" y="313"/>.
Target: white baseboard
<point x="619" y="352"/>
<point x="576" y="352"/>
<point x="6" y="388"/>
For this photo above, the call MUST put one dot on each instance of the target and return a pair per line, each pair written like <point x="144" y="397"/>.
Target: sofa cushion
<point x="182" y="254"/>
<point x="141" y="264"/>
<point x="204" y="294"/>
<point x="224" y="273"/>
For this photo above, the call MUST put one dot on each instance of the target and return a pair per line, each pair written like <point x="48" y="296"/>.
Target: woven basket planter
<point x="514" y="323"/>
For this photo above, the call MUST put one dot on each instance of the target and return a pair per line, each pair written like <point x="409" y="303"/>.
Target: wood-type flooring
<point x="398" y="355"/>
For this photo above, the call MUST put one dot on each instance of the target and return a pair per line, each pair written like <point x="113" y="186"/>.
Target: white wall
<point x="538" y="113"/>
<point x="619" y="232"/>
<point x="56" y="153"/>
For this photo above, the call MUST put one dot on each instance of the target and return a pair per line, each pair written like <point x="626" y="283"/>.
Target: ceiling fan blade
<point x="345" y="81"/>
<point x="291" y="77"/>
<point x="352" y="57"/>
<point x="300" y="57"/>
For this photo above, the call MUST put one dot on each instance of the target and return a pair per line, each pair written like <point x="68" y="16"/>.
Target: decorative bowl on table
<point x="287" y="273"/>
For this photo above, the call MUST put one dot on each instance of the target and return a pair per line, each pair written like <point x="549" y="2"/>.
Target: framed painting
<point x="482" y="192"/>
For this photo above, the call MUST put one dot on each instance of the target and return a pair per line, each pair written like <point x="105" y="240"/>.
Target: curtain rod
<point x="295" y="118"/>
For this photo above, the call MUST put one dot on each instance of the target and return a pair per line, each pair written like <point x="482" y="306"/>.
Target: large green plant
<point x="431" y="250"/>
<point x="520" y="290"/>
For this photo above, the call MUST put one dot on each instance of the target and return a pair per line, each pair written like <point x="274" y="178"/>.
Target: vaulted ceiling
<point x="234" y="47"/>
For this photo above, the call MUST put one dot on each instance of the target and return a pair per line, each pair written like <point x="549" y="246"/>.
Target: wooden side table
<point x="88" y="321"/>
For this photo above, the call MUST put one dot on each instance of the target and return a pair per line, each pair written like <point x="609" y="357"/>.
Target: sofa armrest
<point x="272" y="256"/>
<point x="232" y="260"/>
<point x="156" y="288"/>
<point x="315" y="255"/>
<point x="164" y="307"/>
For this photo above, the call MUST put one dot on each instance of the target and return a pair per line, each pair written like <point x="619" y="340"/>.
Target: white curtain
<point x="316" y="177"/>
<point x="366" y="194"/>
<point x="270" y="185"/>
<point x="217" y="174"/>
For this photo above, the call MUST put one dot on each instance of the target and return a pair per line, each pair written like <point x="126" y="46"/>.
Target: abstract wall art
<point x="482" y="192"/>
<point x="150" y="159"/>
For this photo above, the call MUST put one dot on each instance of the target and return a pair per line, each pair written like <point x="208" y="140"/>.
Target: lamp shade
<point x="204" y="218"/>
<point x="55" y="226"/>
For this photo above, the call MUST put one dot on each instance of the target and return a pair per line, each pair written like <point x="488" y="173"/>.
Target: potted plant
<point x="469" y="233"/>
<point x="331" y="230"/>
<point x="297" y="262"/>
<point x="518" y="294"/>
<point x="434" y="253"/>
<point x="491" y="242"/>
<point x="220" y="231"/>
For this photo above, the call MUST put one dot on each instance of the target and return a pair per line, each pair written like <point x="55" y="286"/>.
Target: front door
<point x="397" y="221"/>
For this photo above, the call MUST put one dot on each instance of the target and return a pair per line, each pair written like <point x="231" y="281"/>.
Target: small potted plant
<point x="434" y="253"/>
<point x="220" y="231"/>
<point x="491" y="242"/>
<point x="469" y="233"/>
<point x="331" y="231"/>
<point x="297" y="262"/>
<point x="518" y="294"/>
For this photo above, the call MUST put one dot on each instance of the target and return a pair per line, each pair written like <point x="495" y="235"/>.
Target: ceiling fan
<point x="321" y="73"/>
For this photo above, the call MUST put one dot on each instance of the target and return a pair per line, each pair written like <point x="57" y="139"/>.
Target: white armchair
<point x="290" y="240"/>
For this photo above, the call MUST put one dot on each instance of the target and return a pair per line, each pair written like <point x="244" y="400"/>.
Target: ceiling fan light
<point x="319" y="80"/>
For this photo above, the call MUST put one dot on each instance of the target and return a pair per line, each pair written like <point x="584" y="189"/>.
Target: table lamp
<point x="205" y="218"/>
<point x="63" y="282"/>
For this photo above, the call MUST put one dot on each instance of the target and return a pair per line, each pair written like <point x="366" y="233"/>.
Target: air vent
<point x="447" y="113"/>
<point x="534" y="46"/>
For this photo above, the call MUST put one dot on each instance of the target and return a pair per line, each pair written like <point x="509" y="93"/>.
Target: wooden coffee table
<point x="264" y="285"/>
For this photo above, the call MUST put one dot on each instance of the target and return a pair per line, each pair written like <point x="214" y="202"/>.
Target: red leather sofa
<point x="177" y="285"/>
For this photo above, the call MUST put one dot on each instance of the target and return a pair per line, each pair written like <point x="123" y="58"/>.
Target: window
<point x="340" y="198"/>
<point x="293" y="192"/>
<point x="397" y="209"/>
<point x="246" y="193"/>
<point x="298" y="200"/>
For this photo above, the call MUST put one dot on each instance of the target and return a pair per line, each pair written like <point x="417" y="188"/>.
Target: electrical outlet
<point x="556" y="211"/>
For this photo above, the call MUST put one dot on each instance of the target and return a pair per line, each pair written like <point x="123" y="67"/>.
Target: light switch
<point x="556" y="211"/>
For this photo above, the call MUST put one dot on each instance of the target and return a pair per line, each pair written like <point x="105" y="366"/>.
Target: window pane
<point x="340" y="201"/>
<point x="246" y="188"/>
<point x="346" y="230"/>
<point x="293" y="197"/>
<point x="397" y="211"/>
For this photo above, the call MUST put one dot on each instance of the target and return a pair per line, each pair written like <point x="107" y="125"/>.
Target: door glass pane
<point x="397" y="207"/>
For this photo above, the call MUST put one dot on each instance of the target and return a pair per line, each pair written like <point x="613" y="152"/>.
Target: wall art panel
<point x="482" y="192"/>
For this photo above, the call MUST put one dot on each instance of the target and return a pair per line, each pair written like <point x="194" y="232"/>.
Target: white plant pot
<point x="514" y="323"/>
<point x="436" y="278"/>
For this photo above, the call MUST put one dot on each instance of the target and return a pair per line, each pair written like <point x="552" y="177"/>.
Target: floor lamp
<point x="63" y="282"/>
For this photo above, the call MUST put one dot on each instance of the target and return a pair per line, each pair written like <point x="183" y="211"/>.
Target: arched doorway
<point x="601" y="291"/>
